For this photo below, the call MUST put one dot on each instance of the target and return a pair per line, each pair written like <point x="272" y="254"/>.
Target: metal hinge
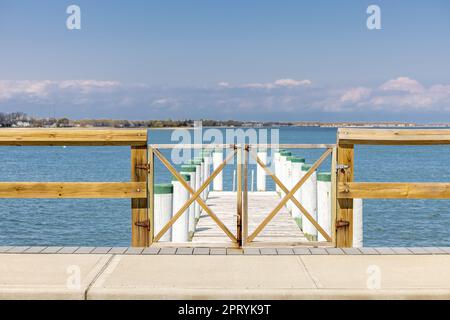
<point x="143" y="224"/>
<point x="144" y="166"/>
<point x="342" y="223"/>
<point x="340" y="167"/>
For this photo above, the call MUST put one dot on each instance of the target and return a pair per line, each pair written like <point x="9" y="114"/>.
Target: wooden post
<point x="239" y="195"/>
<point x="333" y="195"/>
<point x="244" y="220"/>
<point x="139" y="212"/>
<point x="344" y="214"/>
<point x="150" y="194"/>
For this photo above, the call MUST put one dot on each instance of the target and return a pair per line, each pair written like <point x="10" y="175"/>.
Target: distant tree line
<point x="20" y="119"/>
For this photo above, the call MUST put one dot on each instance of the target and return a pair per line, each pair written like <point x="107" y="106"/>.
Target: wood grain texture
<point x="73" y="137"/>
<point x="393" y="190"/>
<point x="393" y="136"/>
<point x="42" y="190"/>
<point x="344" y="210"/>
<point x="140" y="236"/>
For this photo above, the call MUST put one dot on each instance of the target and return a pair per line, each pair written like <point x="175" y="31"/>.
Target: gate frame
<point x="249" y="149"/>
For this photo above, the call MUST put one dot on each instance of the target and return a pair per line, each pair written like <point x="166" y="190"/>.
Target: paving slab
<point x="151" y="250"/>
<point x="201" y="251"/>
<point x="285" y="251"/>
<point x="380" y="271"/>
<point x="133" y="250"/>
<point x="68" y="250"/>
<point x="48" y="276"/>
<point x="51" y="250"/>
<point x="35" y="249"/>
<point x="401" y="250"/>
<point x="196" y="277"/>
<point x="85" y="250"/>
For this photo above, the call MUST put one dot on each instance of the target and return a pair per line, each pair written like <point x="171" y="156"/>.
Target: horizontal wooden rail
<point x="73" y="190"/>
<point x="73" y="137"/>
<point x="393" y="190"/>
<point x="350" y="136"/>
<point x="293" y="146"/>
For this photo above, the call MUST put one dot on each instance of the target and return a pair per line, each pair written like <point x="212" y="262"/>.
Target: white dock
<point x="282" y="229"/>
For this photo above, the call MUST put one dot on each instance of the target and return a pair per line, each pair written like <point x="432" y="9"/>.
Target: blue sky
<point x="261" y="60"/>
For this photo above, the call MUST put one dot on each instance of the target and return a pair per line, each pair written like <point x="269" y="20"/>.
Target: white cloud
<point x="402" y="84"/>
<point x="280" y="83"/>
<point x="283" y="96"/>
<point x="43" y="89"/>
<point x="354" y="95"/>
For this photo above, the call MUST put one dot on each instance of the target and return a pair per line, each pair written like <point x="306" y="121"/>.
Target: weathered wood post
<point x="239" y="194"/>
<point x="344" y="213"/>
<point x="140" y="223"/>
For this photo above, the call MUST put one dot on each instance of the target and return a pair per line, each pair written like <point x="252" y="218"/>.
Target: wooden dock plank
<point x="282" y="229"/>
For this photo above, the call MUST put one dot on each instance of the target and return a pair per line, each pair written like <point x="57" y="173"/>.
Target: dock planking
<point x="282" y="229"/>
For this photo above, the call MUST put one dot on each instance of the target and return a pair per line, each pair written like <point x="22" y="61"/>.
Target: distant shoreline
<point x="22" y="120"/>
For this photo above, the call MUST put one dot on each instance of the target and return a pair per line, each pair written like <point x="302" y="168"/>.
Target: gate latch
<point x="143" y="224"/>
<point x="342" y="223"/>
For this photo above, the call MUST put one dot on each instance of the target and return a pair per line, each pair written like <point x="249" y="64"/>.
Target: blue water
<point x="106" y="222"/>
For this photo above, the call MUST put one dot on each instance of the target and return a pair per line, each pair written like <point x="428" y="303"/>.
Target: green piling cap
<point x="188" y="168"/>
<point x="324" y="176"/>
<point x="186" y="177"/>
<point x="163" y="188"/>
<point x="290" y="158"/>
<point x="195" y="162"/>
<point x="286" y="153"/>
<point x="199" y="159"/>
<point x="297" y="160"/>
<point x="306" y="167"/>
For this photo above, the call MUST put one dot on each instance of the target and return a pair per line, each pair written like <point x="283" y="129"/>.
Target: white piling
<point x="207" y="168"/>
<point x="276" y="164"/>
<point x="234" y="181"/>
<point x="324" y="202"/>
<point x="198" y="183"/>
<point x="288" y="172"/>
<point x="283" y="174"/>
<point x="260" y="173"/>
<point x="163" y="197"/>
<point x="180" y="229"/>
<point x="309" y="201"/>
<point x="358" y="239"/>
<point x="252" y="180"/>
<point x="190" y="169"/>
<point x="217" y="161"/>
<point x="297" y="174"/>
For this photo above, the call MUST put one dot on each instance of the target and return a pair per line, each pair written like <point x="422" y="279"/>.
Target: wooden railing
<point x="347" y="189"/>
<point x="136" y="189"/>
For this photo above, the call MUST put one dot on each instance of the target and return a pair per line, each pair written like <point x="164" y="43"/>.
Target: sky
<point x="227" y="59"/>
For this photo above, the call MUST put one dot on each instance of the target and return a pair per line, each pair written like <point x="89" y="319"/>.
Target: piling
<point x="260" y="173"/>
<point x="207" y="168"/>
<point x="358" y="223"/>
<point x="163" y="198"/>
<point x="297" y="174"/>
<point x="324" y="202"/>
<point x="198" y="183"/>
<point x="277" y="171"/>
<point x="217" y="161"/>
<point x="180" y="229"/>
<point x="201" y="161"/>
<point x="309" y="201"/>
<point x="283" y="169"/>
<point x="289" y="184"/>
<point x="191" y="170"/>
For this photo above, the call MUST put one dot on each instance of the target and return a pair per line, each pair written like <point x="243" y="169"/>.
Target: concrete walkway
<point x="119" y="276"/>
